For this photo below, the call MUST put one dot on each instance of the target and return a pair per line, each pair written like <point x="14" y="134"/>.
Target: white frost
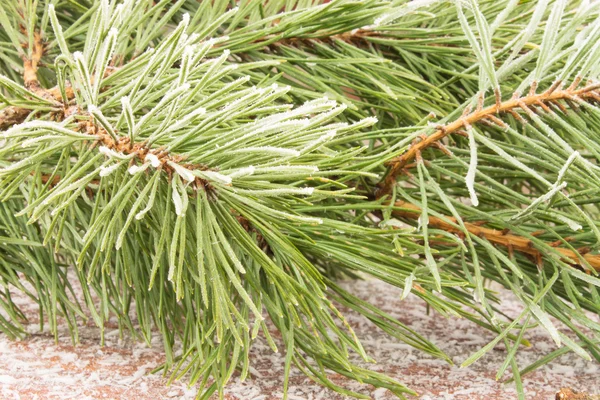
<point x="470" y="178"/>
<point x="178" y="203"/>
<point x="246" y="171"/>
<point x="134" y="169"/>
<point x="153" y="160"/>
<point x="105" y="171"/>
<point x="215" y="176"/>
<point x="183" y="172"/>
<point x="110" y="152"/>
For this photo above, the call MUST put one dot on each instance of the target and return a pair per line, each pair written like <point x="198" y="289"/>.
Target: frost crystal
<point x="215" y="176"/>
<point x="178" y="203"/>
<point x="105" y="171"/>
<point x="242" y="172"/>
<point x="110" y="152"/>
<point x="134" y="169"/>
<point x="470" y="178"/>
<point x="153" y="160"/>
<point x="183" y="172"/>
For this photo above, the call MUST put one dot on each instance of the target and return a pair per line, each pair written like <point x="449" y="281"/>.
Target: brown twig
<point x="349" y="37"/>
<point x="570" y="394"/>
<point x="30" y="64"/>
<point x="140" y="150"/>
<point x="546" y="98"/>
<point x="12" y="115"/>
<point x="501" y="238"/>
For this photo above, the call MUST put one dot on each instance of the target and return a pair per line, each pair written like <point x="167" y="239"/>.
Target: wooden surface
<point x="37" y="368"/>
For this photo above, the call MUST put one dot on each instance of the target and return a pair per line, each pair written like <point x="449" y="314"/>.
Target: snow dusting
<point x="38" y="367"/>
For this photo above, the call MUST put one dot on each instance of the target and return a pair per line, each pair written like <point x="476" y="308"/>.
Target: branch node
<point x="532" y="89"/>
<point x="574" y="84"/>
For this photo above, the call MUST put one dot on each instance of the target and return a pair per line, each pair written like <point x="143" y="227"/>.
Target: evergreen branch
<point x="13" y="115"/>
<point x="115" y="183"/>
<point x="159" y="158"/>
<point x="502" y="238"/>
<point x="551" y="96"/>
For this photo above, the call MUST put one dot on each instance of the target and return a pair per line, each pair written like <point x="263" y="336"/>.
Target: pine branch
<point x="159" y="158"/>
<point x="551" y="96"/>
<point x="501" y="238"/>
<point x="13" y="115"/>
<point x="113" y="178"/>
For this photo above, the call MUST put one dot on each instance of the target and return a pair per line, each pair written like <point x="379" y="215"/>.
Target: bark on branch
<point x="355" y="35"/>
<point x="551" y="96"/>
<point x="14" y="115"/>
<point x="514" y="242"/>
<point x="30" y="65"/>
<point x="570" y="394"/>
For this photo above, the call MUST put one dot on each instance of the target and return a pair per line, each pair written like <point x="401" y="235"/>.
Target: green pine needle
<point x="219" y="168"/>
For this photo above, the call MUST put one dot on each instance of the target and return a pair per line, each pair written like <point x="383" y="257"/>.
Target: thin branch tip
<point x="525" y="103"/>
<point x="502" y="238"/>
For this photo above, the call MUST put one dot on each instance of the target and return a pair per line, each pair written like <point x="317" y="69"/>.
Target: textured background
<point x="37" y="368"/>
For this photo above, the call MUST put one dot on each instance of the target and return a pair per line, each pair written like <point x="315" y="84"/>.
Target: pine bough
<point x="214" y="168"/>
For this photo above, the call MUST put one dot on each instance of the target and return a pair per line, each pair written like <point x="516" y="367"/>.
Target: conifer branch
<point x="549" y="97"/>
<point x="13" y="115"/>
<point x="288" y="109"/>
<point x="161" y="159"/>
<point x="501" y="238"/>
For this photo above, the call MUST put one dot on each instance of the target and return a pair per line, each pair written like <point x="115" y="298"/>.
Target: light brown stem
<point x="570" y="394"/>
<point x="30" y="65"/>
<point x="548" y="97"/>
<point x="350" y="36"/>
<point x="12" y="115"/>
<point x="514" y="242"/>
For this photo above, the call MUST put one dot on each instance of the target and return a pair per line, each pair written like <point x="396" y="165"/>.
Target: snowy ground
<point x="37" y="368"/>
